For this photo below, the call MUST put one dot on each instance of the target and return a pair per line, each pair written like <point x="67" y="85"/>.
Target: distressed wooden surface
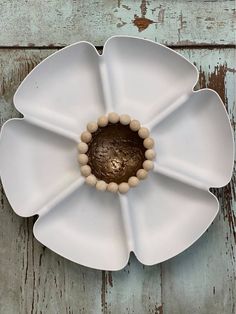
<point x="201" y="280"/>
<point x="173" y="22"/>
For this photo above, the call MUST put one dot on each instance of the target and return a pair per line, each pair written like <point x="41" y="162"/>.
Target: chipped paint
<point x="142" y="23"/>
<point x="159" y="309"/>
<point x="126" y="7"/>
<point x="95" y="21"/>
<point x="110" y="279"/>
<point x="226" y="195"/>
<point x="121" y="24"/>
<point x="143" y="8"/>
<point x="216" y="81"/>
<point x="231" y="70"/>
<point x="103" y="292"/>
<point x="107" y="283"/>
<point x="182" y="25"/>
<point x="161" y="15"/>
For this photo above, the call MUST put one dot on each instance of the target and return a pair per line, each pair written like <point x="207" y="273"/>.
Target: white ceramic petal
<point x="145" y="77"/>
<point x="86" y="228"/>
<point x="196" y="140"/>
<point x="64" y="90"/>
<point x="168" y="216"/>
<point x="35" y="165"/>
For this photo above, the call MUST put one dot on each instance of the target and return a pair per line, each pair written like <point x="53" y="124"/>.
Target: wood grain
<point x="135" y="289"/>
<point x="34" y="279"/>
<point x="200" y="280"/>
<point x="58" y="23"/>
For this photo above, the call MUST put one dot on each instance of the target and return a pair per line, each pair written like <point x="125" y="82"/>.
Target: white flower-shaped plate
<point x="167" y="212"/>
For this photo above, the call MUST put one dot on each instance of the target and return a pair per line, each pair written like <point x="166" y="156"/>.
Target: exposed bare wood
<point x="58" y="23"/>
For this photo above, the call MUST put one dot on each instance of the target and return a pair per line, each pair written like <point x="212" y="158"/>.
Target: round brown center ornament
<point x="115" y="153"/>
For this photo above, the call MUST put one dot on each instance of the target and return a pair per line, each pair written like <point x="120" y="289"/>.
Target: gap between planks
<point x="195" y="46"/>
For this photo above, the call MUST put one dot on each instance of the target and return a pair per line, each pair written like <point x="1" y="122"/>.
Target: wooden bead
<point x="86" y="137"/>
<point x="85" y="170"/>
<point x="148" y="143"/>
<point x="148" y="165"/>
<point x="113" y="117"/>
<point x="143" y="132"/>
<point x="150" y="154"/>
<point x="142" y="174"/>
<point x="125" y="119"/>
<point x="123" y="187"/>
<point x="82" y="147"/>
<point x="101" y="185"/>
<point x="112" y="187"/>
<point x="92" y="127"/>
<point x="134" y="125"/>
<point x="83" y="159"/>
<point x="102" y="121"/>
<point x="91" y="180"/>
<point x="133" y="181"/>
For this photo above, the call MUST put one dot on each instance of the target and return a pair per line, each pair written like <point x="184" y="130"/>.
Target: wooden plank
<point x="172" y="22"/>
<point x="202" y="279"/>
<point x="34" y="279"/>
<point x="135" y="289"/>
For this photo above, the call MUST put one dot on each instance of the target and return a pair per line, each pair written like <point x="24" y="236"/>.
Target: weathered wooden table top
<point x="202" y="279"/>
